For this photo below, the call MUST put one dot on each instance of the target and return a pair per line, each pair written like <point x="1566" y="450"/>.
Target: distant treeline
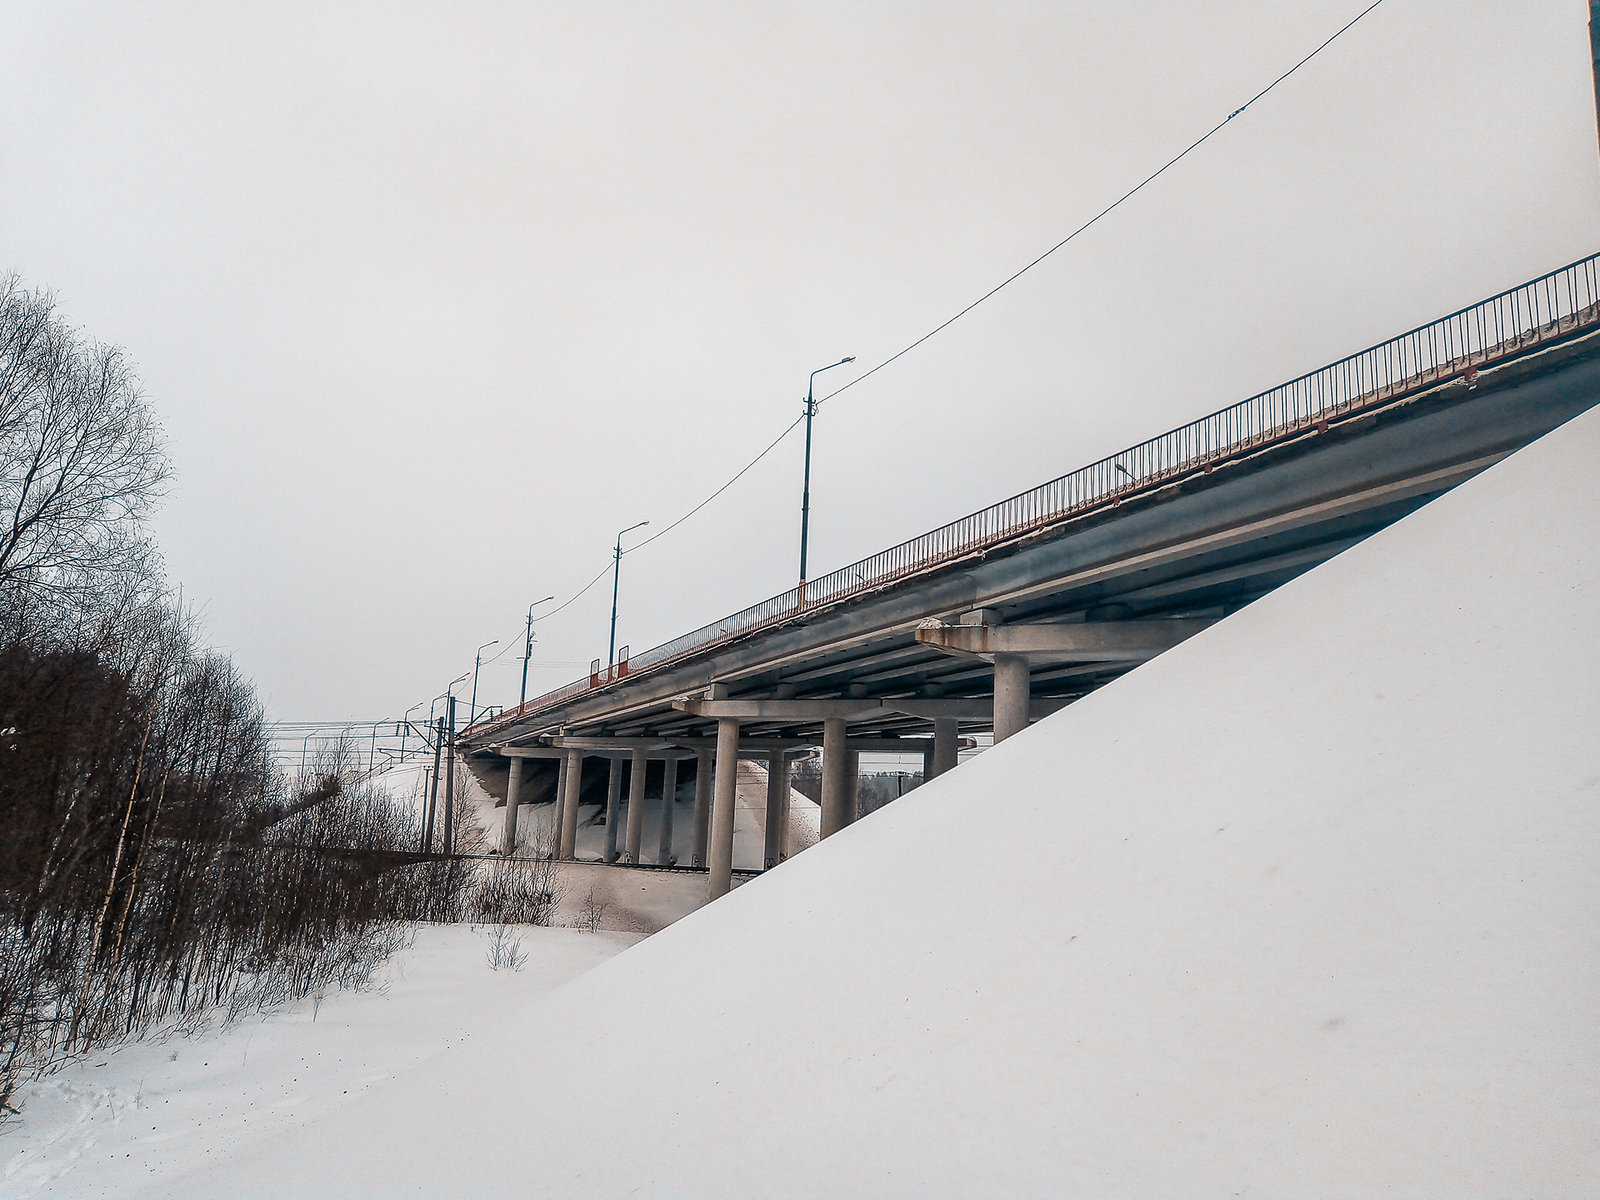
<point x="154" y="860"/>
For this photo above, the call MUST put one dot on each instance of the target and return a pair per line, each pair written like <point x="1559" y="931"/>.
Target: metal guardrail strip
<point x="1538" y="313"/>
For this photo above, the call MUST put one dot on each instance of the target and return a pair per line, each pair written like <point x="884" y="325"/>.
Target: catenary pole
<point x="433" y="789"/>
<point x="448" y="839"/>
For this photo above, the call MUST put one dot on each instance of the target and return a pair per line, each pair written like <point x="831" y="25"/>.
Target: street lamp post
<point x="805" y="495"/>
<point x="527" y="650"/>
<point x="477" y="661"/>
<point x="616" y="575"/>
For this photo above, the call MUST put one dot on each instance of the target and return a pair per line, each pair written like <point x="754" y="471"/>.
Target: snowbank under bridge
<point x="1308" y="907"/>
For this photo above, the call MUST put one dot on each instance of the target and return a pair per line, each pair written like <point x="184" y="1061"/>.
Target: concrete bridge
<point x="1010" y="614"/>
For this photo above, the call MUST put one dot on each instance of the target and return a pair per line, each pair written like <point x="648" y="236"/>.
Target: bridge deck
<point x="1194" y="524"/>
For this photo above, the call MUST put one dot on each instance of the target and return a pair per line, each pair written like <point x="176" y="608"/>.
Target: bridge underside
<point x="987" y="642"/>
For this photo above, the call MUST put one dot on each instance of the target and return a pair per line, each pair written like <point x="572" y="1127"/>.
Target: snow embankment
<point x="143" y="1113"/>
<point x="1309" y="909"/>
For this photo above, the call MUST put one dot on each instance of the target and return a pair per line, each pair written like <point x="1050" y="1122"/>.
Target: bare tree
<point x="81" y="458"/>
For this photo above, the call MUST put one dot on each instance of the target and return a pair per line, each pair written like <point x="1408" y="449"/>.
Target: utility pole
<point x="433" y="789"/>
<point x="450" y="781"/>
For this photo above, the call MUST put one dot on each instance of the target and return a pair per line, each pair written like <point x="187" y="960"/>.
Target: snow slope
<point x="116" y="1121"/>
<point x="1310" y="909"/>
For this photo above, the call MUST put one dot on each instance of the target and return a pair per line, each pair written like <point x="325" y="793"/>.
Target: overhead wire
<point x="1129" y="194"/>
<point x="1151" y="178"/>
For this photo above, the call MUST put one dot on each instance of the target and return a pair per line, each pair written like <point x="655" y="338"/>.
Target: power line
<point x="740" y="474"/>
<point x="771" y="446"/>
<point x="1108" y="208"/>
<point x="1129" y="194"/>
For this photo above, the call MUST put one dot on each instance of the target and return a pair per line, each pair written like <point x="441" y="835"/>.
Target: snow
<point x="1304" y="907"/>
<point x="148" y="1112"/>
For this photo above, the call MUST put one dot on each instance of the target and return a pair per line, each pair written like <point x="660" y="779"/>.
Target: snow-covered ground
<point x="1306" y="906"/>
<point x="142" y="1114"/>
<point x="146" y="1114"/>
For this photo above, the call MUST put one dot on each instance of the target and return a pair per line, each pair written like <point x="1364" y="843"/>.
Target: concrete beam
<point x="977" y="708"/>
<point x="780" y="710"/>
<point x="528" y="751"/>
<point x="757" y="747"/>
<point x="655" y="747"/>
<point x="1081" y="641"/>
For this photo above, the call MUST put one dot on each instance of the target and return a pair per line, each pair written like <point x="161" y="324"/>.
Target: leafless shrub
<point x="158" y="864"/>
<point x="505" y="952"/>
<point x="592" y="910"/>
<point x="511" y="893"/>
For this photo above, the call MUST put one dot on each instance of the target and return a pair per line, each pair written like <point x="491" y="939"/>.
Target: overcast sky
<point x="433" y="299"/>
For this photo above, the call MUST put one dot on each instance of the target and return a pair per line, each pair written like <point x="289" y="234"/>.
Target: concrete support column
<point x="508" y="838"/>
<point x="702" y="806"/>
<point x="613" y="809"/>
<point x="946" y="742"/>
<point x="669" y="797"/>
<point x="835" y="775"/>
<point x="725" y="795"/>
<point x="852" y="795"/>
<point x="927" y="766"/>
<point x="641" y="764"/>
<point x="571" y="786"/>
<point x="1011" y="695"/>
<point x="777" y="808"/>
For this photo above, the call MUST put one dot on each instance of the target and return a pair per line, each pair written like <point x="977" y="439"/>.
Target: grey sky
<point x="435" y="298"/>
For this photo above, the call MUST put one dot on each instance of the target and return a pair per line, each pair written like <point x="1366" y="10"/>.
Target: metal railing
<point x="1545" y="310"/>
